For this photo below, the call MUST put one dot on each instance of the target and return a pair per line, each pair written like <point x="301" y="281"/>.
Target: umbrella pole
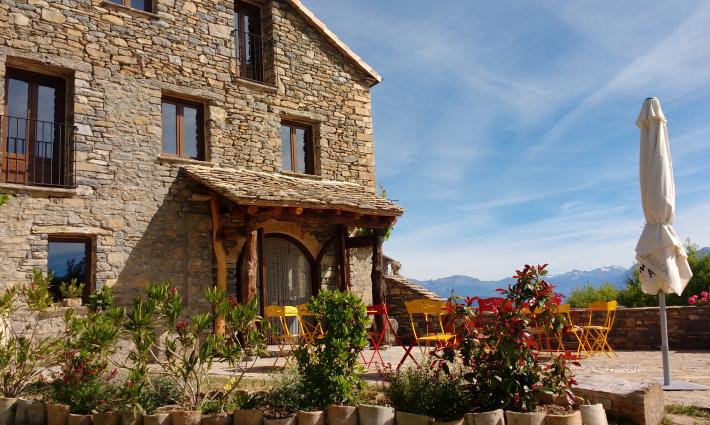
<point x="664" y="339"/>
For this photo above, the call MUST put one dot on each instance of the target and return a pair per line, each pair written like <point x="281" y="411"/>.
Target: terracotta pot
<point x="70" y="302"/>
<point x="79" y="419"/>
<point x="528" y="418"/>
<point x="311" y="418"/>
<point x="215" y="419"/>
<point x="7" y="410"/>
<point x="57" y="414"/>
<point x="494" y="417"/>
<point x="132" y="418"/>
<point x="342" y="415"/>
<point x="454" y="422"/>
<point x="107" y="418"/>
<point x="21" y="409"/>
<point x="186" y="417"/>
<point x="593" y="414"/>
<point x="36" y="413"/>
<point x="248" y="416"/>
<point x="157" y="419"/>
<point x="375" y="415"/>
<point x="574" y="418"/>
<point x="291" y="420"/>
<point x="412" y="419"/>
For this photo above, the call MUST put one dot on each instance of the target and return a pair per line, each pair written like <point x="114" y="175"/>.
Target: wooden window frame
<point x="127" y="3"/>
<point x="309" y="158"/>
<point x="89" y="284"/>
<point x="180" y="128"/>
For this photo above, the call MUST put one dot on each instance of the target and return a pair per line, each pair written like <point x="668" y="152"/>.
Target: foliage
<point x="37" y="294"/>
<point x="159" y="391"/>
<point x="86" y="385"/>
<point x="633" y="296"/>
<point x="24" y="354"/>
<point x="4" y="197"/>
<point x="699" y="299"/>
<point x="364" y="231"/>
<point x="329" y="369"/>
<point x="71" y="289"/>
<point x="501" y="365"/>
<point x="285" y="396"/>
<point x="428" y="390"/>
<point x="101" y="300"/>
<point x="688" y="410"/>
<point x="585" y="295"/>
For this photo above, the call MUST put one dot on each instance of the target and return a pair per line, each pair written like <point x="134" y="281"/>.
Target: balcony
<point x="36" y="153"/>
<point x="255" y="56"/>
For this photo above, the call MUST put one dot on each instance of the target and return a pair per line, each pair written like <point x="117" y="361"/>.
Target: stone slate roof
<point x="248" y="187"/>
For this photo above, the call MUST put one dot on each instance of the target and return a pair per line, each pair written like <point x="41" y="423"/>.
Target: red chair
<point x="378" y="335"/>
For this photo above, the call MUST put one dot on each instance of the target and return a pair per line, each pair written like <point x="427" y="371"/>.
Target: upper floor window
<point x="144" y="5"/>
<point x="297" y="150"/>
<point x="183" y="133"/>
<point x="252" y="49"/>
<point x="34" y="141"/>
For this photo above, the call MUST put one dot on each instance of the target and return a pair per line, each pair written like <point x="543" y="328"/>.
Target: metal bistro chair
<point x="311" y="329"/>
<point x="432" y="312"/>
<point x="279" y="331"/>
<point x="577" y="331"/>
<point x="596" y="332"/>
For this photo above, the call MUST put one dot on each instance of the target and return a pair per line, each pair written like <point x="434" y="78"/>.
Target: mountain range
<point x="564" y="282"/>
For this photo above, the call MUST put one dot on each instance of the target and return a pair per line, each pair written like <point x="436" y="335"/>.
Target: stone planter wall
<point x="639" y="329"/>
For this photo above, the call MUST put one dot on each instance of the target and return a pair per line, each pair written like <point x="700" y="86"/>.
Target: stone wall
<point x="118" y="63"/>
<point x="639" y="328"/>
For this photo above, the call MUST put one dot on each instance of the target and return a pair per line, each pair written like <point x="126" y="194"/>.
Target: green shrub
<point x="286" y="395"/>
<point x="160" y="392"/>
<point x="585" y="295"/>
<point x="329" y="369"/>
<point x="101" y="300"/>
<point x="71" y="289"/>
<point x="428" y="390"/>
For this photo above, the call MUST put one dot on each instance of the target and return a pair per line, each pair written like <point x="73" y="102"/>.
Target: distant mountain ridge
<point x="564" y="282"/>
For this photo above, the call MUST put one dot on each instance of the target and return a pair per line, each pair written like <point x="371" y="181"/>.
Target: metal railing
<point x="255" y="56"/>
<point x="36" y="153"/>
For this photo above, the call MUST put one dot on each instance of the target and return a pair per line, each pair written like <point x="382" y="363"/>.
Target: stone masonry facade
<point x="130" y="199"/>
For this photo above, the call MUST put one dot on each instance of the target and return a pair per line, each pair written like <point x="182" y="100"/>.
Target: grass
<point x="687" y="410"/>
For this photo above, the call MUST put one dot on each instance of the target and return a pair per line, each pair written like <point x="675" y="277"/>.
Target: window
<point x="67" y="259"/>
<point x="182" y="129"/>
<point x="252" y="49"/>
<point x="144" y="5"/>
<point x="34" y="142"/>
<point x="297" y="153"/>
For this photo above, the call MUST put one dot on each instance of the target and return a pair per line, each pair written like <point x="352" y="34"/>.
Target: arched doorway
<point x="289" y="271"/>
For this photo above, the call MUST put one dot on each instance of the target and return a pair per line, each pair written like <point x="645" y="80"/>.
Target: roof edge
<point x="337" y="42"/>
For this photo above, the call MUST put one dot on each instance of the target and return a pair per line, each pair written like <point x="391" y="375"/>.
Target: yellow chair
<point x="432" y="311"/>
<point x="596" y="332"/>
<point x="310" y="328"/>
<point x="565" y="310"/>
<point x="279" y="331"/>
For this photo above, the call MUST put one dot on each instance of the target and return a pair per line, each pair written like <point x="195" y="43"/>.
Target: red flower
<point x="173" y="291"/>
<point x="691" y="300"/>
<point x="181" y="325"/>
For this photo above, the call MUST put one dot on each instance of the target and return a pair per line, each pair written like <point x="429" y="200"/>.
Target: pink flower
<point x="704" y="294"/>
<point x="691" y="300"/>
<point x="181" y="325"/>
<point x="173" y="291"/>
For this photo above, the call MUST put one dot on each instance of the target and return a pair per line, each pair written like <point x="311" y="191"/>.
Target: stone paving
<point x="638" y="366"/>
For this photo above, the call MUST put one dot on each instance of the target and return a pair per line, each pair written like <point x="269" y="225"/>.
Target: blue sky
<point x="506" y="129"/>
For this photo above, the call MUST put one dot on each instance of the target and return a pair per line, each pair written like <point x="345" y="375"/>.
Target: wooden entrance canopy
<point x="257" y="197"/>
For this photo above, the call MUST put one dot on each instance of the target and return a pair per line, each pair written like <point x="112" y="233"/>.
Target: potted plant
<point x="156" y="395"/>
<point x="593" y="414"/>
<point x="284" y="399"/>
<point x="329" y="369"/>
<point x="24" y="353"/>
<point x="247" y="408"/>
<point x="70" y="293"/>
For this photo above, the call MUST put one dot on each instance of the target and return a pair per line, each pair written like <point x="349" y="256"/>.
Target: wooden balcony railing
<point x="36" y="153"/>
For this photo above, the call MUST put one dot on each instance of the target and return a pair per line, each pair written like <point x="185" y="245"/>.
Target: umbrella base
<point x="684" y="386"/>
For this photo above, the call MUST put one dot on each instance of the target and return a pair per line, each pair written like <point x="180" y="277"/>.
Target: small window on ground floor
<point x="68" y="259"/>
<point x="144" y="5"/>
<point x="183" y="132"/>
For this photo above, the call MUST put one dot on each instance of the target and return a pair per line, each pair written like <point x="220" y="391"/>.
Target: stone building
<point x="204" y="142"/>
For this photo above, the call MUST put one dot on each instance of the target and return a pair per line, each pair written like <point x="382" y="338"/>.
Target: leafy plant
<point x="428" y="390"/>
<point x="585" y="295"/>
<point x="4" y="197"/>
<point x="329" y="369"/>
<point x="71" y="289"/>
<point x="24" y="354"/>
<point x="38" y="294"/>
<point x="159" y="391"/>
<point x="285" y="396"/>
<point x="500" y="359"/>
<point x="101" y="300"/>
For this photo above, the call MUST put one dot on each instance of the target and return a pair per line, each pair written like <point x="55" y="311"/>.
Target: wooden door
<point x="16" y="131"/>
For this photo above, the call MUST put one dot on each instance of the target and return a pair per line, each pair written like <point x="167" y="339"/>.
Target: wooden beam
<point x="310" y="216"/>
<point x="344" y="258"/>
<point x="219" y="255"/>
<point x="251" y="264"/>
<point x="252" y="209"/>
<point x="200" y="197"/>
<point x="262" y="269"/>
<point x="378" y="275"/>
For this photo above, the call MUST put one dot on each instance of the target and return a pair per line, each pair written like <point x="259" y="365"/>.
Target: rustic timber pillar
<point x="251" y="263"/>
<point x="219" y="255"/>
<point x="378" y="275"/>
<point x="344" y="258"/>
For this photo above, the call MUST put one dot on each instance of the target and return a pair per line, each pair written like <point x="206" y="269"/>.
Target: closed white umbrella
<point x="663" y="261"/>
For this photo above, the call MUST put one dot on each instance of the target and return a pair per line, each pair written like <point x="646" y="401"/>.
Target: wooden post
<point x="251" y="263"/>
<point x="262" y="269"/>
<point x="378" y="275"/>
<point x="219" y="255"/>
<point x="344" y="259"/>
